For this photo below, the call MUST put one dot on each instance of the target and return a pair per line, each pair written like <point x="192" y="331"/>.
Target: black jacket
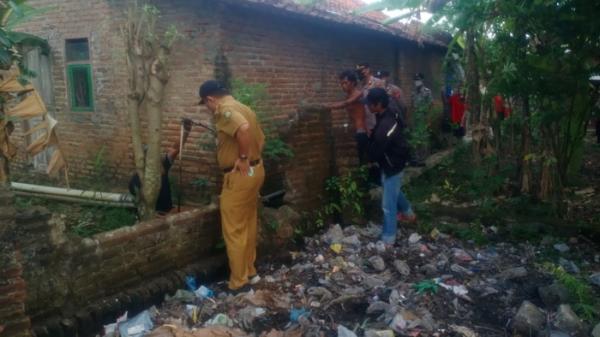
<point x="388" y="146"/>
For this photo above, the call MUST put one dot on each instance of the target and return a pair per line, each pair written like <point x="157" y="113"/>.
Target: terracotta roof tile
<point x="343" y="11"/>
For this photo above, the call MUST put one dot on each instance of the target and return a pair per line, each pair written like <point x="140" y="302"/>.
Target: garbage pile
<point x="346" y="283"/>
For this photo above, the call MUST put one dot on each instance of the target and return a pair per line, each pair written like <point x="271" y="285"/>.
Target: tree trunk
<point x="525" y="161"/>
<point x="474" y="97"/>
<point x="147" y="57"/>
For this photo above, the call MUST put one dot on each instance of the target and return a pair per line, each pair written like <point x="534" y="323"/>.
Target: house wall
<point x="297" y="57"/>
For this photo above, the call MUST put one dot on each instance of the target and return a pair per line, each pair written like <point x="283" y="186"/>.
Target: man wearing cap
<point x="239" y="148"/>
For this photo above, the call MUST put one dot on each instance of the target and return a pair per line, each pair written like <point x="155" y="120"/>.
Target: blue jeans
<point x="393" y="200"/>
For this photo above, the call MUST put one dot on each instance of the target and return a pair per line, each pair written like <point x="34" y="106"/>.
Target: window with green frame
<point x="80" y="87"/>
<point x="79" y="75"/>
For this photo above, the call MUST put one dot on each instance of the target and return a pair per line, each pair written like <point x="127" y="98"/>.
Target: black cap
<point x="419" y="76"/>
<point x="211" y="88"/>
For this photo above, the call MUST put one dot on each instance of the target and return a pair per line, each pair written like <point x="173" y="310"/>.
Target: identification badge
<point x="251" y="171"/>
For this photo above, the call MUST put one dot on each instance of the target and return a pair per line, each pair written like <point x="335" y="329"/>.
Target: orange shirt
<point x="230" y="115"/>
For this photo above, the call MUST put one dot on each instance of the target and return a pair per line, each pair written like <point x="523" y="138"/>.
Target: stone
<point x="414" y="238"/>
<point x="352" y="240"/>
<point x="554" y="333"/>
<point x="554" y="294"/>
<point x="378" y="307"/>
<point x="595" y="279"/>
<point x="342" y="331"/>
<point x="569" y="266"/>
<point x="513" y="273"/>
<point x="429" y="269"/>
<point x="529" y="318"/>
<point x="460" y="256"/>
<point x="596" y="331"/>
<point x="561" y="247"/>
<point x="402" y="267"/>
<point x="377" y="263"/>
<point x="567" y="320"/>
<point x="460" y="269"/>
<point x="335" y="234"/>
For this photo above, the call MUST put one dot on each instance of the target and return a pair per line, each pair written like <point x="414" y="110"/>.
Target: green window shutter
<point x="81" y="93"/>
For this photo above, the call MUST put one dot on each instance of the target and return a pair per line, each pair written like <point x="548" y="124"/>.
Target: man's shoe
<point x="403" y="218"/>
<point x="255" y="279"/>
<point x="243" y="289"/>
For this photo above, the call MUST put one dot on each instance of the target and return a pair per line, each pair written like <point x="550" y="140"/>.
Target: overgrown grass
<point x="490" y="197"/>
<point x="584" y="301"/>
<point x="83" y="220"/>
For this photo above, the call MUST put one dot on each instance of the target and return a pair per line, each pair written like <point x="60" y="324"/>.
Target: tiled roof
<point x="343" y="12"/>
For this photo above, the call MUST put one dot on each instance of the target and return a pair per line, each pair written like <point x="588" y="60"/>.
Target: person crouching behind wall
<point x="389" y="148"/>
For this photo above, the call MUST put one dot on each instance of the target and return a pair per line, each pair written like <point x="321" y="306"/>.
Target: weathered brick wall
<point x="297" y="57"/>
<point x="76" y="285"/>
<point x="14" y="322"/>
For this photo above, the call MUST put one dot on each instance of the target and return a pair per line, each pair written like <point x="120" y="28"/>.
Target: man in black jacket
<point x="389" y="149"/>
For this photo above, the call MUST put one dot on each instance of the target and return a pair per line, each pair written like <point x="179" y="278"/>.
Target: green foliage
<point x="585" y="303"/>
<point x="13" y="44"/>
<point x="254" y="96"/>
<point x="102" y="219"/>
<point x="426" y="286"/>
<point x="345" y="195"/>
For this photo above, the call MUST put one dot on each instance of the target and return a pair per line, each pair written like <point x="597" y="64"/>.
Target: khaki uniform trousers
<point x="239" y="217"/>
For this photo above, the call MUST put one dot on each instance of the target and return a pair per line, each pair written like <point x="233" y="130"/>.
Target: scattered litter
<point x="190" y="282"/>
<point x="136" y="326"/>
<point x="204" y="292"/>
<point x="336" y="247"/>
<point x="220" y="319"/>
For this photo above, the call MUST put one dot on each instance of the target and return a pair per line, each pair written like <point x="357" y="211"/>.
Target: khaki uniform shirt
<point x="230" y="115"/>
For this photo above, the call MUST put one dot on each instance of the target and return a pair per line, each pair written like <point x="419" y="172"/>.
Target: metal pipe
<point x="76" y="200"/>
<point x="126" y="200"/>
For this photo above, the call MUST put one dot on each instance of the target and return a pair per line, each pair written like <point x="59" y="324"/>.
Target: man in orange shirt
<point x="239" y="150"/>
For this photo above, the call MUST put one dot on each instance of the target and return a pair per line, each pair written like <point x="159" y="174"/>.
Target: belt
<point x="252" y="163"/>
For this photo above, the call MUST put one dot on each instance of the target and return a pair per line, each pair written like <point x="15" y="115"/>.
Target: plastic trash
<point x="190" y="281"/>
<point x="379" y="333"/>
<point x="336" y="247"/>
<point x="181" y="296"/>
<point x="296" y="314"/>
<point x="192" y="311"/>
<point x="110" y="329"/>
<point x="345" y="332"/>
<point x="204" y="292"/>
<point x="220" y="319"/>
<point x="137" y="326"/>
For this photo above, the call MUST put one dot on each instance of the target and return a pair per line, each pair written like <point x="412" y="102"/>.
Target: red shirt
<point x="458" y="106"/>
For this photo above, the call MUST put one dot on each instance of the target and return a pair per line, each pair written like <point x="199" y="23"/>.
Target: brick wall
<point x="297" y="57"/>
<point x="75" y="285"/>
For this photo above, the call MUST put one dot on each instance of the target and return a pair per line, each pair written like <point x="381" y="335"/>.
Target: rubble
<point x="562" y="247"/>
<point x="595" y="279"/>
<point x="567" y="320"/>
<point x="529" y="318"/>
<point x="554" y="294"/>
<point x="596" y="331"/>
<point x="347" y="283"/>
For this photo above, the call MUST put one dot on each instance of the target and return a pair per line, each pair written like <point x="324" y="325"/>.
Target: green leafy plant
<point x="426" y="286"/>
<point x="345" y="195"/>
<point x="585" y="303"/>
<point x="254" y="96"/>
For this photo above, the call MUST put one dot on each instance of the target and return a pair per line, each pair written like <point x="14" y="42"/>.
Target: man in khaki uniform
<point x="240" y="144"/>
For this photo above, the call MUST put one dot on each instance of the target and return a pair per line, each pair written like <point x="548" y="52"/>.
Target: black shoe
<point x="243" y="289"/>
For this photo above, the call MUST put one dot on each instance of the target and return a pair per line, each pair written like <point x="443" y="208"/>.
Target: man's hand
<point x="187" y="124"/>
<point x="242" y="165"/>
